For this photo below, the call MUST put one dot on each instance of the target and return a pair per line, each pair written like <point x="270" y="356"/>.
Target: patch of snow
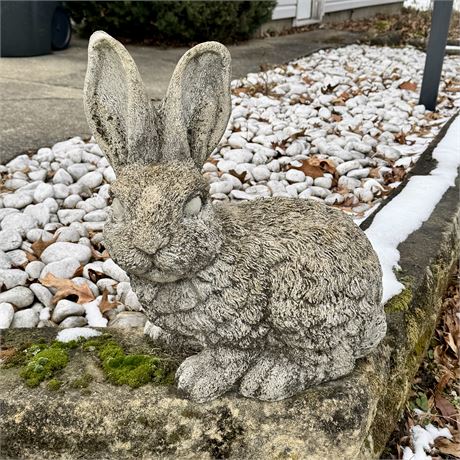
<point x="94" y="315"/>
<point x="407" y="211"/>
<point x="424" y="5"/>
<point x="74" y="333"/>
<point x="422" y="440"/>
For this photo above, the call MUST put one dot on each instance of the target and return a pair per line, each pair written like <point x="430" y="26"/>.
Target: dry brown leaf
<point x="39" y="246"/>
<point x="397" y="174"/>
<point x="408" y="85"/>
<point x="308" y="80"/>
<point x="447" y="447"/>
<point x="79" y="271"/>
<point x="433" y="115"/>
<point x="7" y="354"/>
<point x="401" y="138"/>
<point x="305" y="100"/>
<point x="443" y="381"/>
<point x="336" y="117"/>
<point x="67" y="288"/>
<point x="374" y="173"/>
<point x="241" y="176"/>
<point x="451" y="342"/>
<point x="105" y="305"/>
<point x="348" y="203"/>
<point x="327" y="166"/>
<point x="104" y="255"/>
<point x="444" y="406"/>
<point x="315" y="167"/>
<point x="309" y="169"/>
<point x="31" y="257"/>
<point x="95" y="275"/>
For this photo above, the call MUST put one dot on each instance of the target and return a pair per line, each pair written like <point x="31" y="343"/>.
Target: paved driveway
<point x="41" y="97"/>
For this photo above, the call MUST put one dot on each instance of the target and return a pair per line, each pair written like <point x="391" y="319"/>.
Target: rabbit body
<point x="281" y="293"/>
<point x="271" y="280"/>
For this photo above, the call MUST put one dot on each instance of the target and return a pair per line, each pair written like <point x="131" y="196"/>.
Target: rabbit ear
<point x="197" y="104"/>
<point x="117" y="108"/>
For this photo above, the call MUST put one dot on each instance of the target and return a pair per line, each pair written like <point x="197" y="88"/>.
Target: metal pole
<point x="436" y="48"/>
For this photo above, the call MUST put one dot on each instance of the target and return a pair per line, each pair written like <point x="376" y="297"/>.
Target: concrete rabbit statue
<point x="281" y="293"/>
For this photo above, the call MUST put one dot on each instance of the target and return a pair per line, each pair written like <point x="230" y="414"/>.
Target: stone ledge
<point x="351" y="418"/>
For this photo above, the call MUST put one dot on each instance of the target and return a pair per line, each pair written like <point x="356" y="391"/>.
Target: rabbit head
<point x="162" y="225"/>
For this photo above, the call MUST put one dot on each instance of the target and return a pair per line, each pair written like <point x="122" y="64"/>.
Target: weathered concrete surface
<point x="41" y="98"/>
<point x="351" y="418"/>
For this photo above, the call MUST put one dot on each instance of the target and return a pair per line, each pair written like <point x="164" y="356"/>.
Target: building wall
<point x="331" y="6"/>
<point x="288" y="8"/>
<point x="285" y="9"/>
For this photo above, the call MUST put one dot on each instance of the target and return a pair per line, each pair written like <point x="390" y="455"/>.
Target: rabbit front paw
<point x="212" y="372"/>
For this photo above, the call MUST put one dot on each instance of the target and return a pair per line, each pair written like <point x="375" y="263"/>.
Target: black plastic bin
<point x="31" y="28"/>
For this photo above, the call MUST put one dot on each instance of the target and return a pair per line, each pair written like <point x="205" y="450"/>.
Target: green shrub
<point x="170" y="22"/>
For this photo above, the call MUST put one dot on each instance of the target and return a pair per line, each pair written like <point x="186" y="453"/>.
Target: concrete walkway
<point x="41" y="97"/>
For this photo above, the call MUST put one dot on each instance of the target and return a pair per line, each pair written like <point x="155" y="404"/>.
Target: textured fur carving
<point x="281" y="293"/>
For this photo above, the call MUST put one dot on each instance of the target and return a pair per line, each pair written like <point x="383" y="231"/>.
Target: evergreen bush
<point x="172" y="22"/>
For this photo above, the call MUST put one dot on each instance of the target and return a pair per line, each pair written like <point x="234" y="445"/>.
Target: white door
<point x="303" y="10"/>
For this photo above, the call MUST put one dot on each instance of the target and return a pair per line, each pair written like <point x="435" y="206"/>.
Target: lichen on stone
<point x="81" y="382"/>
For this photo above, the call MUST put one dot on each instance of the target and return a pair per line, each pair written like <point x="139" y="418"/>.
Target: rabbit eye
<point x="117" y="209"/>
<point x="193" y="207"/>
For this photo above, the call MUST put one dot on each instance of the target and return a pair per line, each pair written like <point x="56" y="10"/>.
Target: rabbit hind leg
<point x="274" y="377"/>
<point x="212" y="372"/>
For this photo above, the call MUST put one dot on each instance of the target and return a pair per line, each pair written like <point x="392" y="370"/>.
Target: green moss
<point x="40" y="361"/>
<point x="400" y="302"/>
<point x="82" y="381"/>
<point x="43" y="363"/>
<point x="54" y="384"/>
<point x="133" y="370"/>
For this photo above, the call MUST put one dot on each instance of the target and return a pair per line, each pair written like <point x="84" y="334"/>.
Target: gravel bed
<point x="341" y="126"/>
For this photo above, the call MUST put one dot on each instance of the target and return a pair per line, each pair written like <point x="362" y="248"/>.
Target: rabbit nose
<point x="153" y="247"/>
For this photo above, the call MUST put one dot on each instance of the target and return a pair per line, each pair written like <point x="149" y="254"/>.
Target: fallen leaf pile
<point x="436" y="389"/>
<point x="410" y="26"/>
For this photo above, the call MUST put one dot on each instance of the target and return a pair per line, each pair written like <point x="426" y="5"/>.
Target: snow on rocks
<point x="423" y="440"/>
<point x="67" y="335"/>
<point x="407" y="211"/>
<point x="337" y="126"/>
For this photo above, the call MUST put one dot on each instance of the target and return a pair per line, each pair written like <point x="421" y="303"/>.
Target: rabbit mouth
<point x="158" y="276"/>
<point x="148" y="271"/>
